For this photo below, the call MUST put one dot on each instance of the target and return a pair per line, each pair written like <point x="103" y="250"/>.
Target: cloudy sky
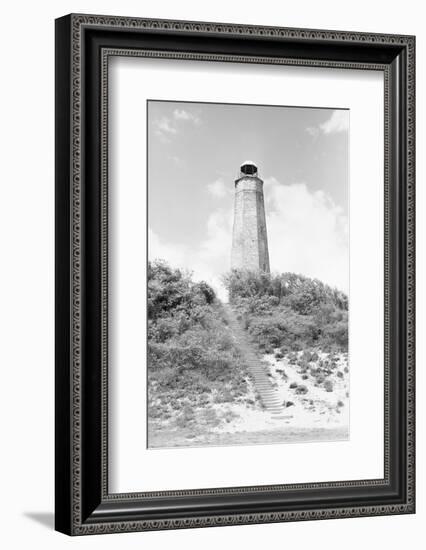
<point x="194" y="154"/>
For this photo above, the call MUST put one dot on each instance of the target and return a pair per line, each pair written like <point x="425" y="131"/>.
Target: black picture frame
<point x="83" y="504"/>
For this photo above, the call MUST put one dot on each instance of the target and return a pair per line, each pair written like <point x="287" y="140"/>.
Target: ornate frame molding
<point x="73" y="517"/>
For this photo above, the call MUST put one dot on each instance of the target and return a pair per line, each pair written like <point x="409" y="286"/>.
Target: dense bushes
<point x="191" y="352"/>
<point x="171" y="291"/>
<point x="289" y="311"/>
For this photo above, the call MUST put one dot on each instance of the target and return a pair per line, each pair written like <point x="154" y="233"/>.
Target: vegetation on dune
<point x="289" y="311"/>
<point x="195" y="364"/>
<point x="192" y="358"/>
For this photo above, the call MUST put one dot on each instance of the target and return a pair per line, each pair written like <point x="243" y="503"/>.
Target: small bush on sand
<point x="319" y="379"/>
<point x="292" y="358"/>
<point x="293" y="385"/>
<point x="328" y="385"/>
<point x="210" y="417"/>
<point x="301" y="390"/>
<point x="303" y="363"/>
<point x="229" y="415"/>
<point x="185" y="419"/>
<point x="224" y="396"/>
<point x="307" y="356"/>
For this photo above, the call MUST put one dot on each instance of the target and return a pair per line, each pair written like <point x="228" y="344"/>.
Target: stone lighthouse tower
<point x="249" y="237"/>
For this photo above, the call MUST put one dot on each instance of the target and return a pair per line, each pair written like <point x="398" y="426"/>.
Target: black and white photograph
<point x="248" y="274"/>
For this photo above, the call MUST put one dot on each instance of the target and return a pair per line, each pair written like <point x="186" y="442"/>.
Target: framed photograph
<point x="234" y="274"/>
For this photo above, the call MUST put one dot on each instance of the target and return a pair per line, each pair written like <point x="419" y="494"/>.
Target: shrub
<point x="290" y="311"/>
<point x="303" y="363"/>
<point x="228" y="416"/>
<point x="328" y="386"/>
<point x="307" y="356"/>
<point x="292" y="358"/>
<point x="293" y="385"/>
<point x="210" y="417"/>
<point x="186" y="417"/>
<point x="191" y="352"/>
<point x="301" y="389"/>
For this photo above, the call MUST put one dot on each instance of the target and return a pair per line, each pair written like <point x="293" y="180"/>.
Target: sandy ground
<point x="167" y="439"/>
<point x="317" y="415"/>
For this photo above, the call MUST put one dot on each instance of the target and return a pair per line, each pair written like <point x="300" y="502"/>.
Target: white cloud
<point x="307" y="234"/>
<point x="209" y="260"/>
<point x="178" y="161"/>
<point x="218" y="188"/>
<point x="165" y="127"/>
<point x="181" y="114"/>
<point x="338" y="122"/>
<point x="175" y="254"/>
<point x="313" y="131"/>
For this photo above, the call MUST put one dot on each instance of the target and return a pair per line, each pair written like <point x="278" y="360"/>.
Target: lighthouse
<point x="249" y="236"/>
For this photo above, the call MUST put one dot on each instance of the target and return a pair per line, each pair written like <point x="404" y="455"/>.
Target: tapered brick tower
<point x="249" y="237"/>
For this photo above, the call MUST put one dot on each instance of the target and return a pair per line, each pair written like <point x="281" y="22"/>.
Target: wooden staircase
<point x="258" y="372"/>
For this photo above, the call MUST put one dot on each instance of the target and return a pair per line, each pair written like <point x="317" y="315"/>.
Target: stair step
<point x="270" y="397"/>
<point x="256" y="367"/>
<point x="273" y="401"/>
